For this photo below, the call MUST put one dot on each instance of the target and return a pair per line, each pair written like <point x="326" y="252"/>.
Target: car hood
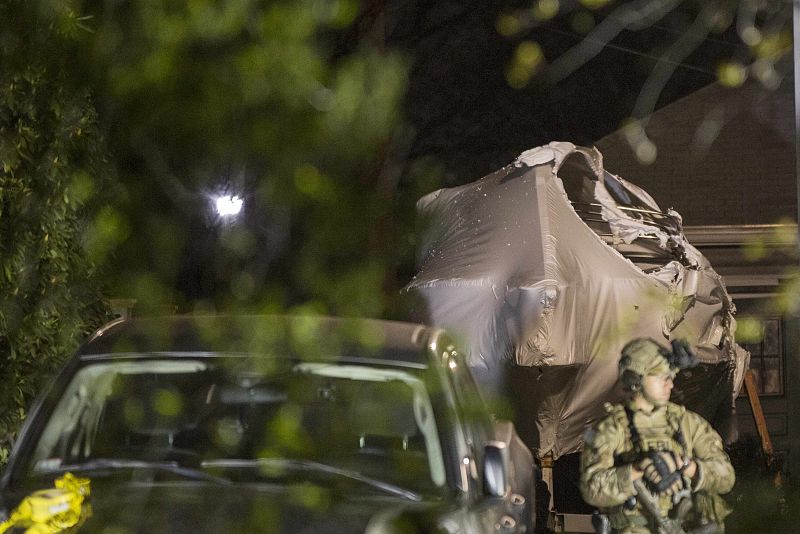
<point x="193" y="507"/>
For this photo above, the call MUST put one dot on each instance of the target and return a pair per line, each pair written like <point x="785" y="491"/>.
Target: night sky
<point x="466" y="114"/>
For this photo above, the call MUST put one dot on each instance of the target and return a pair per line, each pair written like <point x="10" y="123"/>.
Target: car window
<point x="73" y="425"/>
<point x="216" y="414"/>
<point x="390" y="404"/>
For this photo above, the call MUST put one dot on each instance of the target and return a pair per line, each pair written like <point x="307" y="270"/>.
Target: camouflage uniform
<point x="625" y="435"/>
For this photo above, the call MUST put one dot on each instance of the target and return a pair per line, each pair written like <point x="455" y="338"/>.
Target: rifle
<point x="650" y="503"/>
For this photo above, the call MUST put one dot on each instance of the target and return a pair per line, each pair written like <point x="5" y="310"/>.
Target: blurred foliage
<point x="749" y="330"/>
<point x="52" y="175"/>
<point x="121" y="121"/>
<point x="288" y="104"/>
<point x="759" y="33"/>
<point x="763" y="27"/>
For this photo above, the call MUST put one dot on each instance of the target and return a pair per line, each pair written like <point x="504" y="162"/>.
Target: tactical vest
<point x="660" y="431"/>
<point x="657" y="431"/>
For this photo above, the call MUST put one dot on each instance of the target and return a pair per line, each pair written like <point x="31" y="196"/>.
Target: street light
<point x="228" y="205"/>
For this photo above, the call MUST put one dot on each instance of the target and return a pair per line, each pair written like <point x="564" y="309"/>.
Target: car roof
<point x="290" y="336"/>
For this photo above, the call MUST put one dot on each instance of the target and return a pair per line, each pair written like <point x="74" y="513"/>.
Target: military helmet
<point x="644" y="356"/>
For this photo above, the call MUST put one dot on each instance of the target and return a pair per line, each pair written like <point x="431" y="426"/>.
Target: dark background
<point x="466" y="115"/>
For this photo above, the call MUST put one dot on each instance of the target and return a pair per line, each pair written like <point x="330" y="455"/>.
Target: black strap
<point x="635" y="437"/>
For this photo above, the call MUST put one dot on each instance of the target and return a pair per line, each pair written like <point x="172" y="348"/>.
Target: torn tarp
<point x="554" y="262"/>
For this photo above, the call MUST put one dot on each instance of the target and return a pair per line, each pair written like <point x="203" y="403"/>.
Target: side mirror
<point x="495" y="469"/>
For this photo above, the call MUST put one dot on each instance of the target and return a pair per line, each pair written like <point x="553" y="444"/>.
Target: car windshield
<point x="371" y="425"/>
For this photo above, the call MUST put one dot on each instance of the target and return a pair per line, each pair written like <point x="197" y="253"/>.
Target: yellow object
<point x="52" y="510"/>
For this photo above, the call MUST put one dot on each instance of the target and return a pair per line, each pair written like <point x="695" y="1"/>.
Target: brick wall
<point x="745" y="176"/>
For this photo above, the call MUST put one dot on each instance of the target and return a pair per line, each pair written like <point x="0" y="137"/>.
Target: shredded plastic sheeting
<point x="552" y="262"/>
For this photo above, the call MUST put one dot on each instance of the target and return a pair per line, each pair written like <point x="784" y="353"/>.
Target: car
<point x="271" y="424"/>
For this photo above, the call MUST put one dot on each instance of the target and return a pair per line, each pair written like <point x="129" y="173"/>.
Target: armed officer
<point x="649" y="465"/>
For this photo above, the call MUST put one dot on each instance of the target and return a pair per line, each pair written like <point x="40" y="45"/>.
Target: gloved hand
<point x="662" y="472"/>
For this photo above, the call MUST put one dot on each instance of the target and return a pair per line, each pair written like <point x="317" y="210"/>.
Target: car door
<point x="486" y="513"/>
